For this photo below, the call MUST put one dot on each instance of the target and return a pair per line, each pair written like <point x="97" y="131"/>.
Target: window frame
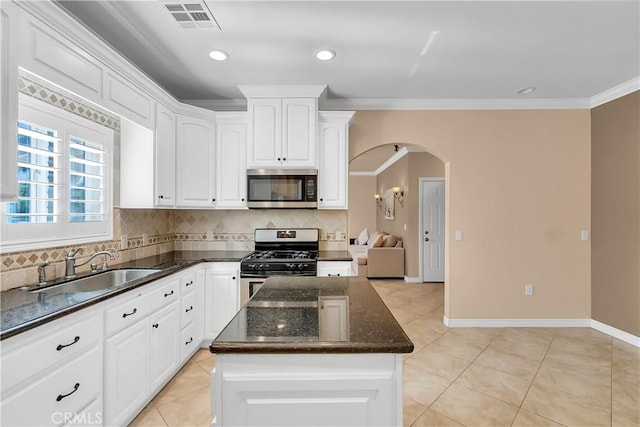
<point x="27" y="236"/>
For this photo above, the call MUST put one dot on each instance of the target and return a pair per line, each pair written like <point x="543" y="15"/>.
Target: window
<point x="64" y="186"/>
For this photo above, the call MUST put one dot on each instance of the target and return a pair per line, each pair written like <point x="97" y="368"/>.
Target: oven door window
<point x="276" y="188"/>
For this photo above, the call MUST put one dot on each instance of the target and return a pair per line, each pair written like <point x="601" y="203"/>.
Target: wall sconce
<point x="378" y="199"/>
<point x="399" y="195"/>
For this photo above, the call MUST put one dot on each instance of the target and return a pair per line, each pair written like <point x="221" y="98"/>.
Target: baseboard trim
<point x="616" y="333"/>
<point x="543" y="323"/>
<point x="517" y="323"/>
<point x="412" y="279"/>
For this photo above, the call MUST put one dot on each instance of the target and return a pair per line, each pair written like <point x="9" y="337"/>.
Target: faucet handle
<point x="72" y="253"/>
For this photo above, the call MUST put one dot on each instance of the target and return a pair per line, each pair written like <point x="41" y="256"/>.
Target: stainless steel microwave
<point x="282" y="188"/>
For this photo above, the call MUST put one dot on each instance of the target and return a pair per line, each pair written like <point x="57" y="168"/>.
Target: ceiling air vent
<point x="192" y="15"/>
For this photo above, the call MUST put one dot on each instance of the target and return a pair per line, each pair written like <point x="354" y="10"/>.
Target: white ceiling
<point x="483" y="52"/>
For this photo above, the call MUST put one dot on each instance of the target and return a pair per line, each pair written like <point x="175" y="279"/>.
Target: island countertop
<point x="313" y="315"/>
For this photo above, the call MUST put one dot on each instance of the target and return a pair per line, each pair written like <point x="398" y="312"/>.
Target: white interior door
<point x="432" y="230"/>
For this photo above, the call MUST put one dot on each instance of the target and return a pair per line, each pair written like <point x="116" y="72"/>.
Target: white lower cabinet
<point x="126" y="373"/>
<point x="334" y="268"/>
<point x="308" y="389"/>
<point x="222" y="296"/>
<point x="53" y="373"/>
<point x="164" y="350"/>
<point x="140" y="359"/>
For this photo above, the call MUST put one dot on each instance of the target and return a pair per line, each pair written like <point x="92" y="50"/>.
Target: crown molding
<point x="443" y="104"/>
<point x="282" y="91"/>
<point x="615" y="92"/>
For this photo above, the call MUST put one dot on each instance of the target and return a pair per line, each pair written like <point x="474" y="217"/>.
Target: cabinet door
<point x="165" y="156"/>
<point x="332" y="166"/>
<point x="222" y="296"/>
<point x="164" y="327"/>
<point x="126" y="373"/>
<point x="231" y="156"/>
<point x="265" y="132"/>
<point x="8" y="101"/>
<point x="195" y="163"/>
<point x="299" y="118"/>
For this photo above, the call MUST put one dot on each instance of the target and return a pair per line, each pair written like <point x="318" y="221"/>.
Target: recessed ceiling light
<point x="219" y="55"/>
<point x="526" y="90"/>
<point x="325" y="55"/>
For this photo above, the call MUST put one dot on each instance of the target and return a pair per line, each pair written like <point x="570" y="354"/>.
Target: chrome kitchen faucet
<point x="70" y="261"/>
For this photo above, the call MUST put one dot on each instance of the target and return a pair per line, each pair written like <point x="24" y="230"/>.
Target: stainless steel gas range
<point x="279" y="252"/>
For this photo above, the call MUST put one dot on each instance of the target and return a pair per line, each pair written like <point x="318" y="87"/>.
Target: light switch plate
<point x="584" y="235"/>
<point x="459" y="235"/>
<point x="124" y="242"/>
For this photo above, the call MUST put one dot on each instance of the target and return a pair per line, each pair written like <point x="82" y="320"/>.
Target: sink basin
<point x="99" y="281"/>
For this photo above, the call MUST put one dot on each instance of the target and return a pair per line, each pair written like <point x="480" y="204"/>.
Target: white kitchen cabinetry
<point x="124" y="98"/>
<point x="191" y="312"/>
<point x="333" y="150"/>
<point x="222" y="295"/>
<point x="52" y="370"/>
<point x="165" y="157"/>
<point x="282" y="132"/>
<point x="195" y="163"/>
<point x="9" y="35"/>
<point x="334" y="268"/>
<point x="140" y="359"/>
<point x="308" y="389"/>
<point x="231" y="160"/>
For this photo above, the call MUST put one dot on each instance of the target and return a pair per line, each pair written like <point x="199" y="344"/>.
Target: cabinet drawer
<point x="187" y="283"/>
<point x="26" y="355"/>
<point x="67" y="390"/>
<point x="127" y="312"/>
<point x="188" y="343"/>
<point x="188" y="309"/>
<point x="164" y="295"/>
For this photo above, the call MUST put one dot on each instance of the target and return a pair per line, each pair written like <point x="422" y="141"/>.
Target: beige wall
<point x="615" y="215"/>
<point x="405" y="173"/>
<point x="362" y="206"/>
<point x="518" y="185"/>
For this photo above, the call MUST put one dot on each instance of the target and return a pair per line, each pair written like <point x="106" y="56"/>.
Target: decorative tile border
<point x="50" y="96"/>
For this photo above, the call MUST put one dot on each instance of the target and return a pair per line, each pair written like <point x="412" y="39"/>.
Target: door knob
<point x="426" y="232"/>
<point x="426" y="239"/>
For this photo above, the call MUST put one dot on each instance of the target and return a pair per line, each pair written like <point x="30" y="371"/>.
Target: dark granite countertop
<point x="288" y="315"/>
<point x="21" y="310"/>
<point x="334" y="256"/>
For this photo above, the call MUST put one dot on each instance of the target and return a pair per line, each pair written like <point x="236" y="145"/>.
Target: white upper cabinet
<point x="281" y="125"/>
<point x="9" y="36"/>
<point x="231" y="160"/>
<point x="195" y="163"/>
<point x="333" y="150"/>
<point x="165" y="155"/>
<point x="127" y="100"/>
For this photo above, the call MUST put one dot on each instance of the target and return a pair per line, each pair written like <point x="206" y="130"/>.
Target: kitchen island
<point x="310" y="351"/>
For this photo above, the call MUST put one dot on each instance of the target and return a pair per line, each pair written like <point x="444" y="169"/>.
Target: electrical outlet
<point x="210" y="235"/>
<point x="338" y="235"/>
<point x="124" y="242"/>
<point x="528" y="289"/>
<point x="145" y="239"/>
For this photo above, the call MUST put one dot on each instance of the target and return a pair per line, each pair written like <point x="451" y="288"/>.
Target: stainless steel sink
<point x="99" y="281"/>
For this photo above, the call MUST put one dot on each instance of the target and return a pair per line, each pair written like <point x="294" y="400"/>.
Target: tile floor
<point x="469" y="376"/>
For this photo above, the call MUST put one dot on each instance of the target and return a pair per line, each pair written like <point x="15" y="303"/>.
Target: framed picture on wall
<point x="388" y="204"/>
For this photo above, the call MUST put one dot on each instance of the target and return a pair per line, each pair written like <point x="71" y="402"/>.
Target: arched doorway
<point x="385" y="167"/>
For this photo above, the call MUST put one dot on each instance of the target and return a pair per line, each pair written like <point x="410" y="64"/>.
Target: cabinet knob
<point x="279" y="159"/>
<point x="284" y="159"/>
<point x="233" y="278"/>
<point x="321" y="199"/>
<point x="242" y="200"/>
<point x="213" y="200"/>
<point x="161" y="197"/>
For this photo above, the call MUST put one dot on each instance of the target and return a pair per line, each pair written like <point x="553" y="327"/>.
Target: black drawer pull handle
<point x="135" y="310"/>
<point x="161" y="196"/>
<point x="189" y="283"/>
<point x="155" y="325"/>
<point x="169" y="294"/>
<point x="75" y="340"/>
<point x="336" y="275"/>
<point x="62" y="396"/>
<point x="189" y="309"/>
<point x="189" y="342"/>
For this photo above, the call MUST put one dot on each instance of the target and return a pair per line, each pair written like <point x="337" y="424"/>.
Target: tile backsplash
<point x="167" y="230"/>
